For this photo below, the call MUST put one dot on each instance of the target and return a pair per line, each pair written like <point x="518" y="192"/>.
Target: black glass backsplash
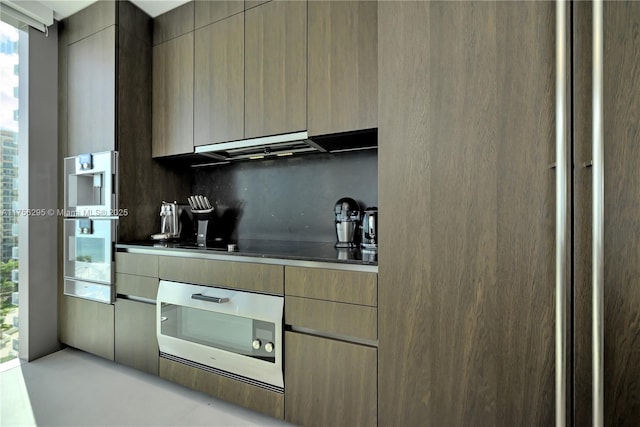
<point x="287" y="198"/>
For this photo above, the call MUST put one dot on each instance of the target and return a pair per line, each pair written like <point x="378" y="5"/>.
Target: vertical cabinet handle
<point x="598" y="218"/>
<point x="562" y="174"/>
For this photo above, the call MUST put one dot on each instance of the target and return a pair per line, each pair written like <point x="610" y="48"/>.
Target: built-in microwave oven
<point x="88" y="258"/>
<point x="232" y="332"/>
<point x="90" y="185"/>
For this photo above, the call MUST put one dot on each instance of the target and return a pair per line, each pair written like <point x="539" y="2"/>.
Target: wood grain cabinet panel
<point x="87" y="325"/>
<point x="90" y="20"/>
<point x="240" y="275"/>
<point x="139" y="286"/>
<point x="207" y="11"/>
<point x="172" y="105"/>
<point x="466" y="288"/>
<point x="275" y="68"/>
<point x="329" y="383"/>
<point x="343" y="66"/>
<point x="136" y="344"/>
<point x="137" y="264"/>
<point x="174" y="23"/>
<point x="91" y="77"/>
<point x="219" y="81"/>
<point x="332" y="285"/>
<point x="347" y="320"/>
<point x="248" y="4"/>
<point x="250" y="396"/>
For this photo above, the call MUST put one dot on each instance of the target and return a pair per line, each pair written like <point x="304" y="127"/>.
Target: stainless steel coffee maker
<point x="170" y="224"/>
<point x="370" y="229"/>
<point x="347" y="220"/>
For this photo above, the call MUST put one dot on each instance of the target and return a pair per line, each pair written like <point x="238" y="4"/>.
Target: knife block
<point x="206" y="227"/>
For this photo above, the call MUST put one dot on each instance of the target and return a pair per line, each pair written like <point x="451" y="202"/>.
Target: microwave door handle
<point x="217" y="300"/>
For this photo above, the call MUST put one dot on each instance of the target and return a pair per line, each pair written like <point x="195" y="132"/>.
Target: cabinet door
<point x="219" y="82"/>
<point x="174" y="23"/>
<point x="343" y="66"/>
<point x="328" y="382"/>
<point x="91" y="80"/>
<point x="172" y="107"/>
<point x="466" y="130"/>
<point x="207" y="12"/>
<point x="87" y="325"/>
<point x="136" y="344"/>
<point x="275" y="68"/>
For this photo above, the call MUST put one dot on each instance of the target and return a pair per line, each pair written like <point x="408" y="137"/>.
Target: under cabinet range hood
<point x="259" y="148"/>
<point x="287" y="144"/>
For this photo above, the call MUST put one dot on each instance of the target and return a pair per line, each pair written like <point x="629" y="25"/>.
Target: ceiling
<point x="64" y="8"/>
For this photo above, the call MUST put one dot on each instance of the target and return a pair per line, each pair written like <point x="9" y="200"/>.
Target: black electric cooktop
<point x="308" y="251"/>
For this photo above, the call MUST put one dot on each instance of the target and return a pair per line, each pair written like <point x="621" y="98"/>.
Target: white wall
<point x="38" y="189"/>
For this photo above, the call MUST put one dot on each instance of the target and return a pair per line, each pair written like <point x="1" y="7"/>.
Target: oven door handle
<point x="217" y="300"/>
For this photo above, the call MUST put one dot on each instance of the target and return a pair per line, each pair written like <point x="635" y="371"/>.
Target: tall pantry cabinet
<point x="467" y="123"/>
<point x="105" y="104"/>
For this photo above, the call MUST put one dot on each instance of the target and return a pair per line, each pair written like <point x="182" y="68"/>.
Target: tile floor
<point x="73" y="388"/>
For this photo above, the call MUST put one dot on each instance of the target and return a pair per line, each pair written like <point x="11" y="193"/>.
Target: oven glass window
<point x="90" y="250"/>
<point x="88" y="256"/>
<point x="219" y="330"/>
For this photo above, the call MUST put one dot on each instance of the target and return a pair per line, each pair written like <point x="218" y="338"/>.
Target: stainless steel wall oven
<point x="231" y="332"/>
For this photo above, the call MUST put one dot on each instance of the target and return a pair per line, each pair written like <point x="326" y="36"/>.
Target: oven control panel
<point x="263" y="340"/>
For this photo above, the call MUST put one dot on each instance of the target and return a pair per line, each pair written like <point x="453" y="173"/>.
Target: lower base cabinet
<point x="88" y="326"/>
<point x="255" y="398"/>
<point x="329" y="382"/>
<point x="136" y="344"/>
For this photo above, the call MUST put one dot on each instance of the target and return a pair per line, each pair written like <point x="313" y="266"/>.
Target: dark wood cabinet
<point x="207" y="12"/>
<point x="136" y="344"/>
<point x="329" y="382"/>
<point x="466" y="284"/>
<point x="90" y="20"/>
<point x="248" y="4"/>
<point x="91" y="93"/>
<point x="241" y="275"/>
<point x="275" y="68"/>
<point x="174" y="23"/>
<point x="331" y="357"/>
<point x="135" y="339"/>
<point x="621" y="212"/>
<point x="105" y="104"/>
<point x="172" y="105"/>
<point x="343" y="66"/>
<point x="87" y="325"/>
<point x="219" y="81"/>
<point x="250" y="396"/>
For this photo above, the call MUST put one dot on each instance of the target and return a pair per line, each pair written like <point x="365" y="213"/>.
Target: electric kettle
<point x="370" y="229"/>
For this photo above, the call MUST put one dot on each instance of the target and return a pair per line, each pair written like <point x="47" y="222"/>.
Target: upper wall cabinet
<point x="172" y="105"/>
<point x="208" y="12"/>
<point x="174" y="23"/>
<point x="91" y="82"/>
<point x="248" y="4"/>
<point x="275" y="68"/>
<point x="219" y="80"/>
<point x="89" y="21"/>
<point x="343" y="66"/>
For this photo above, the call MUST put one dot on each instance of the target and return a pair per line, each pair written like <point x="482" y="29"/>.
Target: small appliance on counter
<point x="347" y="220"/>
<point x="370" y="229"/>
<point x="205" y="217"/>
<point x="175" y="222"/>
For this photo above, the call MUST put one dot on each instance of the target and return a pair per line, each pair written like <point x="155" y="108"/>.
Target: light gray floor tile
<point x="73" y="388"/>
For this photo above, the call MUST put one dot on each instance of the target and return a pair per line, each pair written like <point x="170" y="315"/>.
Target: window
<point x="9" y="280"/>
